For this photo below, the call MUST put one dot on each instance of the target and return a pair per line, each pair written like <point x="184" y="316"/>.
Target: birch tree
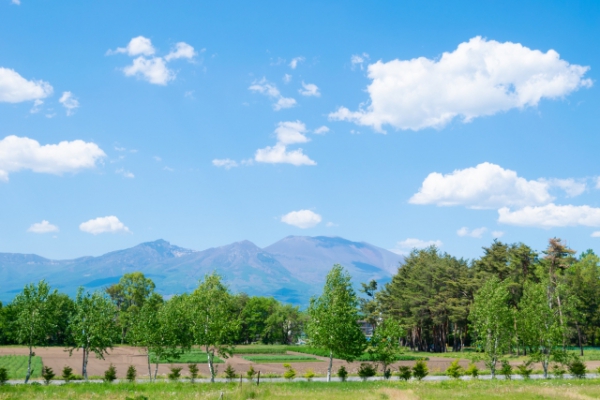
<point x="334" y="317"/>
<point x="214" y="323"/>
<point x="492" y="321"/>
<point x="93" y="326"/>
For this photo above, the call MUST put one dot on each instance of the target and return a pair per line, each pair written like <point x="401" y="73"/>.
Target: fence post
<point x="240" y="380"/>
<point x="258" y="379"/>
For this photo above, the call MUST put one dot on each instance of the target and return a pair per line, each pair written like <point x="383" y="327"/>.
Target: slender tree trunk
<point x="210" y="356"/>
<point x="149" y="365"/>
<point x="85" y="361"/>
<point x="29" y="364"/>
<point x="330" y="366"/>
<point x="156" y="369"/>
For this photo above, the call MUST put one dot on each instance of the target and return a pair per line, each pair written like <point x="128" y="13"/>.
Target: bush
<point x="507" y="370"/>
<point x="472" y="371"/>
<point x="524" y="369"/>
<point x="404" y="372"/>
<point x="290" y="373"/>
<point x="47" y="374"/>
<point x="67" y="374"/>
<point x="366" y="370"/>
<point x="229" y="373"/>
<point x="175" y="373"/>
<point x="251" y="372"/>
<point x="309" y="374"/>
<point x="455" y="370"/>
<point x="558" y="371"/>
<point x="387" y="374"/>
<point x="342" y="373"/>
<point x="110" y="374"/>
<point x="131" y="374"/>
<point x="193" y="368"/>
<point x="577" y="368"/>
<point x="140" y="397"/>
<point x="3" y="376"/>
<point x="420" y="370"/>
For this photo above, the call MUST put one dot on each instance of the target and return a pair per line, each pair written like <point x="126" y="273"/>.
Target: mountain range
<point x="291" y="270"/>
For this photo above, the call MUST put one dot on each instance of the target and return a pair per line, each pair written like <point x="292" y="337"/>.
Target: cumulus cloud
<point x="595" y="234"/>
<point x="287" y="78"/>
<point x="481" y="77"/>
<point x="302" y="219"/>
<point x="484" y="186"/>
<point x="42" y="227"/>
<point x="152" y="68"/>
<point x="474" y="233"/>
<point x="270" y="90"/>
<point x="21" y="153"/>
<point x="295" y="61"/>
<point x="309" y="89"/>
<point x="571" y="187"/>
<point x="69" y="102"/>
<point x="551" y="215"/>
<point x="15" y="89"/>
<point x="225" y="163"/>
<point x="321" y="130"/>
<point x="288" y="133"/>
<point x="406" y="246"/>
<point x="110" y="224"/>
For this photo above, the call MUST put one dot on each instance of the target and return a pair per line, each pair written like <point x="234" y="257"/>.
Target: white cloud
<point x="125" y="173"/>
<point x="497" y="234"/>
<point x="295" y="61"/>
<point x="37" y="103"/>
<point x="484" y="186"/>
<point x="182" y="50"/>
<point x="551" y="215"/>
<point x="406" y="246"/>
<point x="138" y="45"/>
<point x="69" y="102"/>
<point x="21" y="153"/>
<point x="595" y="234"/>
<point x="598" y="182"/>
<point x="321" y="130"/>
<point x="481" y="77"/>
<point x="302" y="219"/>
<point x="288" y="133"/>
<point x="310" y="89"/>
<point x="43" y="227"/>
<point x="154" y="70"/>
<point x="110" y="224"/>
<point x="270" y="90"/>
<point x="331" y="224"/>
<point x="225" y="163"/>
<point x="15" y="89"/>
<point x="287" y="78"/>
<point x="475" y="233"/>
<point x="16" y="2"/>
<point x="357" y="60"/>
<point x="572" y="187"/>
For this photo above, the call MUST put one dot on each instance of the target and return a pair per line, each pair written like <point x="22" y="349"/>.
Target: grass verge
<point x="192" y="357"/>
<point x="279" y="358"/>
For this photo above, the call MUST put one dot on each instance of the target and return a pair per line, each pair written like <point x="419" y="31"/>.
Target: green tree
<point x="92" y="326"/>
<point x="492" y="321"/>
<point x="285" y="324"/>
<point x="333" y="323"/>
<point x="214" y="323"/>
<point x="384" y="346"/>
<point x="34" y="318"/>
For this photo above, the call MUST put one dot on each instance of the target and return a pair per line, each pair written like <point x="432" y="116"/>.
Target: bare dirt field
<point x="124" y="356"/>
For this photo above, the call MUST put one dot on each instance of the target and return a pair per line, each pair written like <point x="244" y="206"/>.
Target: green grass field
<point x="260" y="349"/>
<point x="279" y="358"/>
<point x="365" y="357"/>
<point x="452" y="390"/>
<point x="17" y="366"/>
<point x="192" y="357"/>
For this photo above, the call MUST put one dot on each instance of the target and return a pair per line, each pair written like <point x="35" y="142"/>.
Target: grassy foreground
<point x="464" y="390"/>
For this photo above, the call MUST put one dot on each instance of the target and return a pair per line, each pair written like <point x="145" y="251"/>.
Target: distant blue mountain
<point x="290" y="270"/>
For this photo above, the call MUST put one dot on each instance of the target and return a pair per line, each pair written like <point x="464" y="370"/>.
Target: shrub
<point x="251" y="372"/>
<point x="47" y="374"/>
<point x="577" y="368"/>
<point x="366" y="370"/>
<point x="404" y="372"/>
<point x="387" y="374"/>
<point x="342" y="373"/>
<point x="290" y="373"/>
<point x="175" y="373"/>
<point x="67" y="374"/>
<point x="131" y="373"/>
<point x="230" y="373"/>
<point x="455" y="370"/>
<point x="558" y="371"/>
<point x="3" y="376"/>
<point x="110" y="374"/>
<point x="420" y="370"/>
<point x="140" y="397"/>
<point x="193" y="368"/>
<point x="309" y="374"/>
<point x="524" y="369"/>
<point x="506" y="369"/>
<point x="472" y="371"/>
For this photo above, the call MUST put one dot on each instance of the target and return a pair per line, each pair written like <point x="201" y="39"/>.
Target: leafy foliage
<point x="175" y="373"/>
<point x="404" y="372"/>
<point x="525" y="369"/>
<point x="420" y="370"/>
<point x="290" y="373"/>
<point x="110" y="375"/>
<point x="366" y="371"/>
<point x="342" y="373"/>
<point x="229" y="373"/>
<point x="577" y="369"/>
<point x="193" y="368"/>
<point x="67" y="373"/>
<point x="47" y="374"/>
<point x="309" y="374"/>
<point x="455" y="370"/>
<point x="131" y="374"/>
<point x="506" y="370"/>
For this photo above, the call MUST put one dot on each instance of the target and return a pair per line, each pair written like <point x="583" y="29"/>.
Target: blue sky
<point x="439" y="122"/>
